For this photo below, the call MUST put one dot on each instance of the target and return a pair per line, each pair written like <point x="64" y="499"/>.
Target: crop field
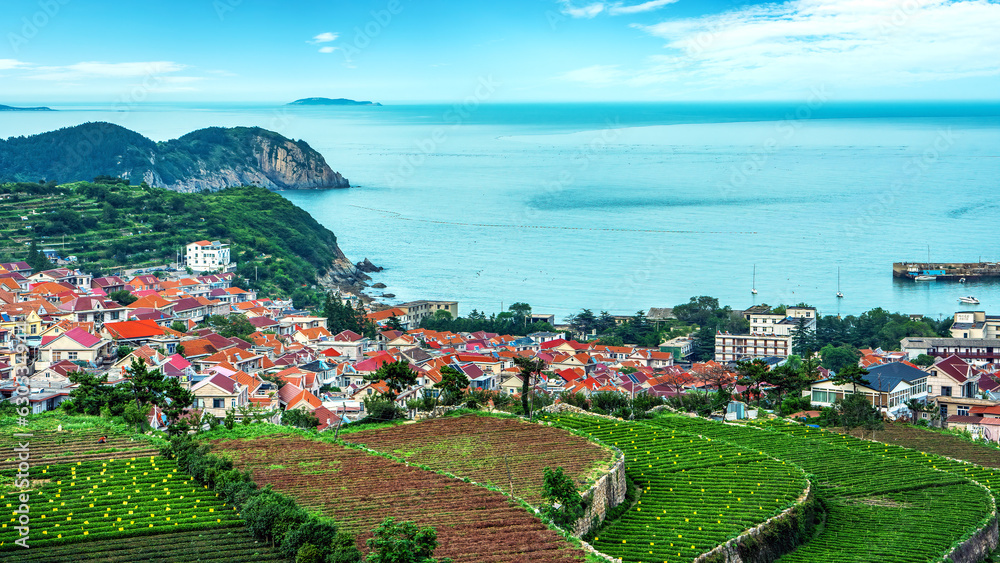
<point x="113" y="499"/>
<point x="359" y="490"/>
<point x="69" y="446"/>
<point x="696" y="492"/>
<point x="884" y="503"/>
<point x="937" y="443"/>
<point x="507" y="453"/>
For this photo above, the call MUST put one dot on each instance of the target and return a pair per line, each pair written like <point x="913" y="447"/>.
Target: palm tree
<point x="916" y="406"/>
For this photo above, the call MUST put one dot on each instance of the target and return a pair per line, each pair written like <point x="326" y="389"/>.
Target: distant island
<point x="207" y="159"/>
<point x="331" y="102"/>
<point x="12" y="108"/>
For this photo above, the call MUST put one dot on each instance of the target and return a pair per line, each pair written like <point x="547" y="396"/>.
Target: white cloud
<point x="803" y="43"/>
<point x="96" y="69"/>
<point x="612" y="8"/>
<point x="325" y="37"/>
<point x="620" y="9"/>
<point x="7" y="64"/>
<point x="328" y="49"/>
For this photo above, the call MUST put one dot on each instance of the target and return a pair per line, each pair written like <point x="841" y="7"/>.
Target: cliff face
<point x="207" y="159"/>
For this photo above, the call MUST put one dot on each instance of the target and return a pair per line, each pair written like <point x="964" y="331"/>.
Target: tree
<point x="136" y="416"/>
<point x="397" y="376"/>
<point x="916" y="407"/>
<point x="565" y="503"/>
<point x="453" y="383"/>
<point x="752" y="374"/>
<point x="299" y="418"/>
<point x="402" y="543"/>
<point x="583" y="322"/>
<point x="852" y="375"/>
<point x="924" y="360"/>
<point x="803" y="340"/>
<point x="178" y="326"/>
<point x="36" y="259"/>
<point x="123" y="297"/>
<point x="393" y="323"/>
<point x="530" y="368"/>
<point x="715" y="375"/>
<point x="151" y="387"/>
<point x="856" y="411"/>
<point x="837" y="358"/>
<point x="123" y="350"/>
<point x="521" y="311"/>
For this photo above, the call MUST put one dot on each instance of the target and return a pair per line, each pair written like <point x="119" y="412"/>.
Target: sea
<point x="621" y="207"/>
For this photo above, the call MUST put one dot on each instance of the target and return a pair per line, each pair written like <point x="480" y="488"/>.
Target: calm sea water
<point x="621" y="207"/>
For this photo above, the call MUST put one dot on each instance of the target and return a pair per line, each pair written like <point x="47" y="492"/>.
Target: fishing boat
<point x="753" y="284"/>
<point x="839" y="294"/>
<point x="970" y="300"/>
<point x="924" y="277"/>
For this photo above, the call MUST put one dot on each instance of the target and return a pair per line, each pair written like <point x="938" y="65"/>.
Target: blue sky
<point x="532" y="50"/>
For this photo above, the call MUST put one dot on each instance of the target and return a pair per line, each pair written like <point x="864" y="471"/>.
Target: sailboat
<point x="753" y="285"/>
<point x="839" y="294"/>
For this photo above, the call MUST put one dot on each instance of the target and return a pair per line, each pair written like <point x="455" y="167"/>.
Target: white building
<point x="770" y="334"/>
<point x="205" y="256"/>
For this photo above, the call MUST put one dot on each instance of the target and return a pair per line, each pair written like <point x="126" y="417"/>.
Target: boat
<point x="970" y="300"/>
<point x="962" y="280"/>
<point x="753" y="284"/>
<point x="923" y="277"/>
<point x="839" y="294"/>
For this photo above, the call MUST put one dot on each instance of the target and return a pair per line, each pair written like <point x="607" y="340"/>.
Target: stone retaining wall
<point x="977" y="547"/>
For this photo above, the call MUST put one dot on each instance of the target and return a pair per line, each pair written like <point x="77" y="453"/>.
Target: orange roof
<point x="386" y="314"/>
<point x="128" y="330"/>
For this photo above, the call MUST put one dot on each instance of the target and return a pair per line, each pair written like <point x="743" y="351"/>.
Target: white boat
<point x="970" y="300"/>
<point x="961" y="280"/>
<point x="925" y="278"/>
<point x="753" y="284"/>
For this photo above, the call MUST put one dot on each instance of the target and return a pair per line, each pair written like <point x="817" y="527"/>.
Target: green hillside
<point x="111" y="226"/>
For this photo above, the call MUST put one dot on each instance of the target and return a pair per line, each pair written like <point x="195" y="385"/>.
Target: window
<point x="234" y="403"/>
<point x="218" y="403"/>
<point x="56" y="356"/>
<point x="819" y="396"/>
<point x="963" y="410"/>
<point x="944" y="412"/>
<point x="946" y="391"/>
<point x="71" y="355"/>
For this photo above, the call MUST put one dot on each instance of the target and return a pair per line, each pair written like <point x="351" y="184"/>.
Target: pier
<point x="948" y="271"/>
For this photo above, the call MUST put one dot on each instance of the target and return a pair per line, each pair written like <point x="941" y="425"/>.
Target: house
<point x="348" y="344"/>
<point x="889" y="387"/>
<point x="771" y="334"/>
<point x="416" y="311"/>
<point x="953" y="377"/>
<point x="311" y="335"/>
<point x="205" y="256"/>
<point x="980" y="428"/>
<point x="95" y="309"/>
<point x="140" y="333"/>
<point x="975" y="350"/>
<point x="219" y="393"/>
<point x="76" y="345"/>
<point x="108" y="284"/>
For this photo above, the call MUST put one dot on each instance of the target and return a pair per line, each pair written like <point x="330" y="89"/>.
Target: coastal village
<point x="59" y="321"/>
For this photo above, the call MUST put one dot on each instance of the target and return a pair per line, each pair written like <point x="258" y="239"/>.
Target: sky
<point x="400" y="51"/>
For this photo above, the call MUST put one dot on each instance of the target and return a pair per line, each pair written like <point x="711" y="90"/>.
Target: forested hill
<point x="111" y="225"/>
<point x="207" y="159"/>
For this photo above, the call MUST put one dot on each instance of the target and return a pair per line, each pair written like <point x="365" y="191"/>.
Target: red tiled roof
<point x="127" y="330"/>
<point x="82" y="337"/>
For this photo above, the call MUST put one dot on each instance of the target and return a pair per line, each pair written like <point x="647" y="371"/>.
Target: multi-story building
<point x="976" y="351"/>
<point x="207" y="256"/>
<point x="415" y="311"/>
<point x="771" y="334"/>
<point x="975" y="324"/>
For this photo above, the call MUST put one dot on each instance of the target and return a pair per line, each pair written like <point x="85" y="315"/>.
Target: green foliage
<point x="229" y="326"/>
<point x="565" y="503"/>
<point x="136" y="416"/>
<point x="112" y="224"/>
<point x="300" y="418"/>
<point x="851" y="374"/>
<point x="836" y="358"/>
<point x="855" y="411"/>
<point x="924" y="360"/>
<point x="402" y="543"/>
<point x="36" y="259"/>
<point x="344" y="549"/>
<point x="380" y="409"/>
<point x="578" y="400"/>
<point x="123" y="297"/>
<point x="452" y="385"/>
<point x="397" y="376"/>
<point x="308" y="553"/>
<point x="504" y="323"/>
<point x="342" y="316"/>
<point x="531" y="369"/>
<point x="876" y="328"/>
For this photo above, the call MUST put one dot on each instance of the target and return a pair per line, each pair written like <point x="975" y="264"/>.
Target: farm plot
<point x="69" y="446"/>
<point x="880" y="508"/>
<point x="110" y="500"/>
<point x="507" y="453"/>
<point x="217" y="545"/>
<point x="359" y="490"/>
<point x="697" y="493"/>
